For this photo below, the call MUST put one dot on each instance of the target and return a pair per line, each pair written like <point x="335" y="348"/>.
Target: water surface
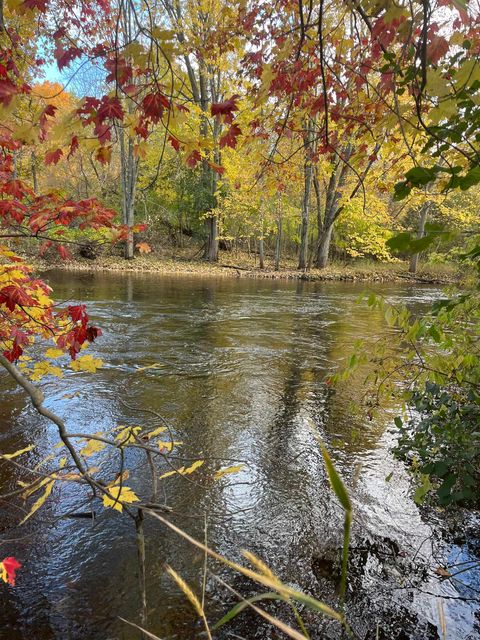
<point x="239" y="372"/>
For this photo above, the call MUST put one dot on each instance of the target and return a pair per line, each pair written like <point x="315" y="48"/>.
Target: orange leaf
<point x="52" y="157"/>
<point x="143" y="247"/>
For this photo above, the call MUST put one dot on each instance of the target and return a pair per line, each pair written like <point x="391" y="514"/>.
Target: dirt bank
<point x="229" y="266"/>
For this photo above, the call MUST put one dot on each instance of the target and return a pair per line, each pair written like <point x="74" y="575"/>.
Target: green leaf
<point x="446" y="487"/>
<point x="434" y="333"/>
<point x="440" y="468"/>
<point x="420" y="176"/>
<point x="401" y="191"/>
<point x="405" y="243"/>
<point x="336" y="482"/>
<point x="470" y="179"/>
<point x="422" y="490"/>
<point x="400" y="242"/>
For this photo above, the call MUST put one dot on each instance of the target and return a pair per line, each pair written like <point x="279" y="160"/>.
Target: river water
<point x="237" y="367"/>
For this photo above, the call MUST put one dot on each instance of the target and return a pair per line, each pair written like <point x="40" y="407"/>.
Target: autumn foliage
<point x="343" y="85"/>
<point x="8" y="568"/>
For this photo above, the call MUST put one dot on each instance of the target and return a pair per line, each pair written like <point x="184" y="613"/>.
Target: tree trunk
<point x="278" y="244"/>
<point x="420" y="233"/>
<point x="308" y="173"/>
<point x="261" y="253"/>
<point x="129" y="170"/>
<point x="129" y="243"/>
<point x="128" y="162"/>
<point x="318" y="202"/>
<point x="211" y="243"/>
<point x="34" y="172"/>
<point x="209" y="177"/>
<point x="323" y="247"/>
<point x="332" y="211"/>
<point x="303" y="252"/>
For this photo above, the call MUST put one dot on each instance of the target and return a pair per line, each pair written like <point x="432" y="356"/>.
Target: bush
<point x="443" y="440"/>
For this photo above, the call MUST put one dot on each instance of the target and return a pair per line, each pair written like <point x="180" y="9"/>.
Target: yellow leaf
<point x="26" y="133"/>
<point x="86" y="363"/>
<point x="193" y="467"/>
<point x="122" y="494"/>
<point x="34" y="488"/>
<point x="127" y="435"/>
<point x="167" y="446"/>
<point x="91" y="144"/>
<point x="163" y="34"/>
<point x="171" y="473"/>
<point x="9" y="456"/>
<point x="182" y="471"/>
<point x="92" y="446"/>
<point x="223" y="472"/>
<point x="45" y="368"/>
<point x="150" y="366"/>
<point x="155" y="432"/>
<point x="69" y="396"/>
<point x="40" y="501"/>
<point x="54" y="353"/>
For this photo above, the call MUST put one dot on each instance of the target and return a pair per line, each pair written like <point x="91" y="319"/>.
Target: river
<point x="237" y="367"/>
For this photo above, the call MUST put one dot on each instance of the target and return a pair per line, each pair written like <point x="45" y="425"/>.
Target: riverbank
<point x="242" y="267"/>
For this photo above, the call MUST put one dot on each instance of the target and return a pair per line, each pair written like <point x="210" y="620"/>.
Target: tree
<point x="204" y="38"/>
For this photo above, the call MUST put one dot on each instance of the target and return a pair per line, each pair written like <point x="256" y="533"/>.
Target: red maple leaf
<point x="14" y="353"/>
<point x="48" y="111"/>
<point x="73" y="146"/>
<point x="93" y="333"/>
<point x="13" y="295"/>
<point x="229" y="139"/>
<point x="174" y="142"/>
<point x="225" y="109"/>
<point x="65" y="56"/>
<point x="63" y="252"/>
<point x="14" y="188"/>
<point x="9" y="569"/>
<point x="437" y="48"/>
<point x="7" y="90"/>
<point x="44" y="246"/>
<point x="52" y="157"/>
<point x="41" y="5"/>
<point x="110" y="108"/>
<point x="193" y="159"/>
<point x="103" y="132"/>
<point x="77" y="313"/>
<point x="217" y="168"/>
<point x="154" y="104"/>
<point x="120" y="70"/>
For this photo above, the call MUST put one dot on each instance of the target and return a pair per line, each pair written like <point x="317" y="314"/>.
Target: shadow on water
<point x="239" y="372"/>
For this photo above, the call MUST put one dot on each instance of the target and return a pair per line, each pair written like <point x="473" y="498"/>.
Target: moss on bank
<point x="242" y="267"/>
